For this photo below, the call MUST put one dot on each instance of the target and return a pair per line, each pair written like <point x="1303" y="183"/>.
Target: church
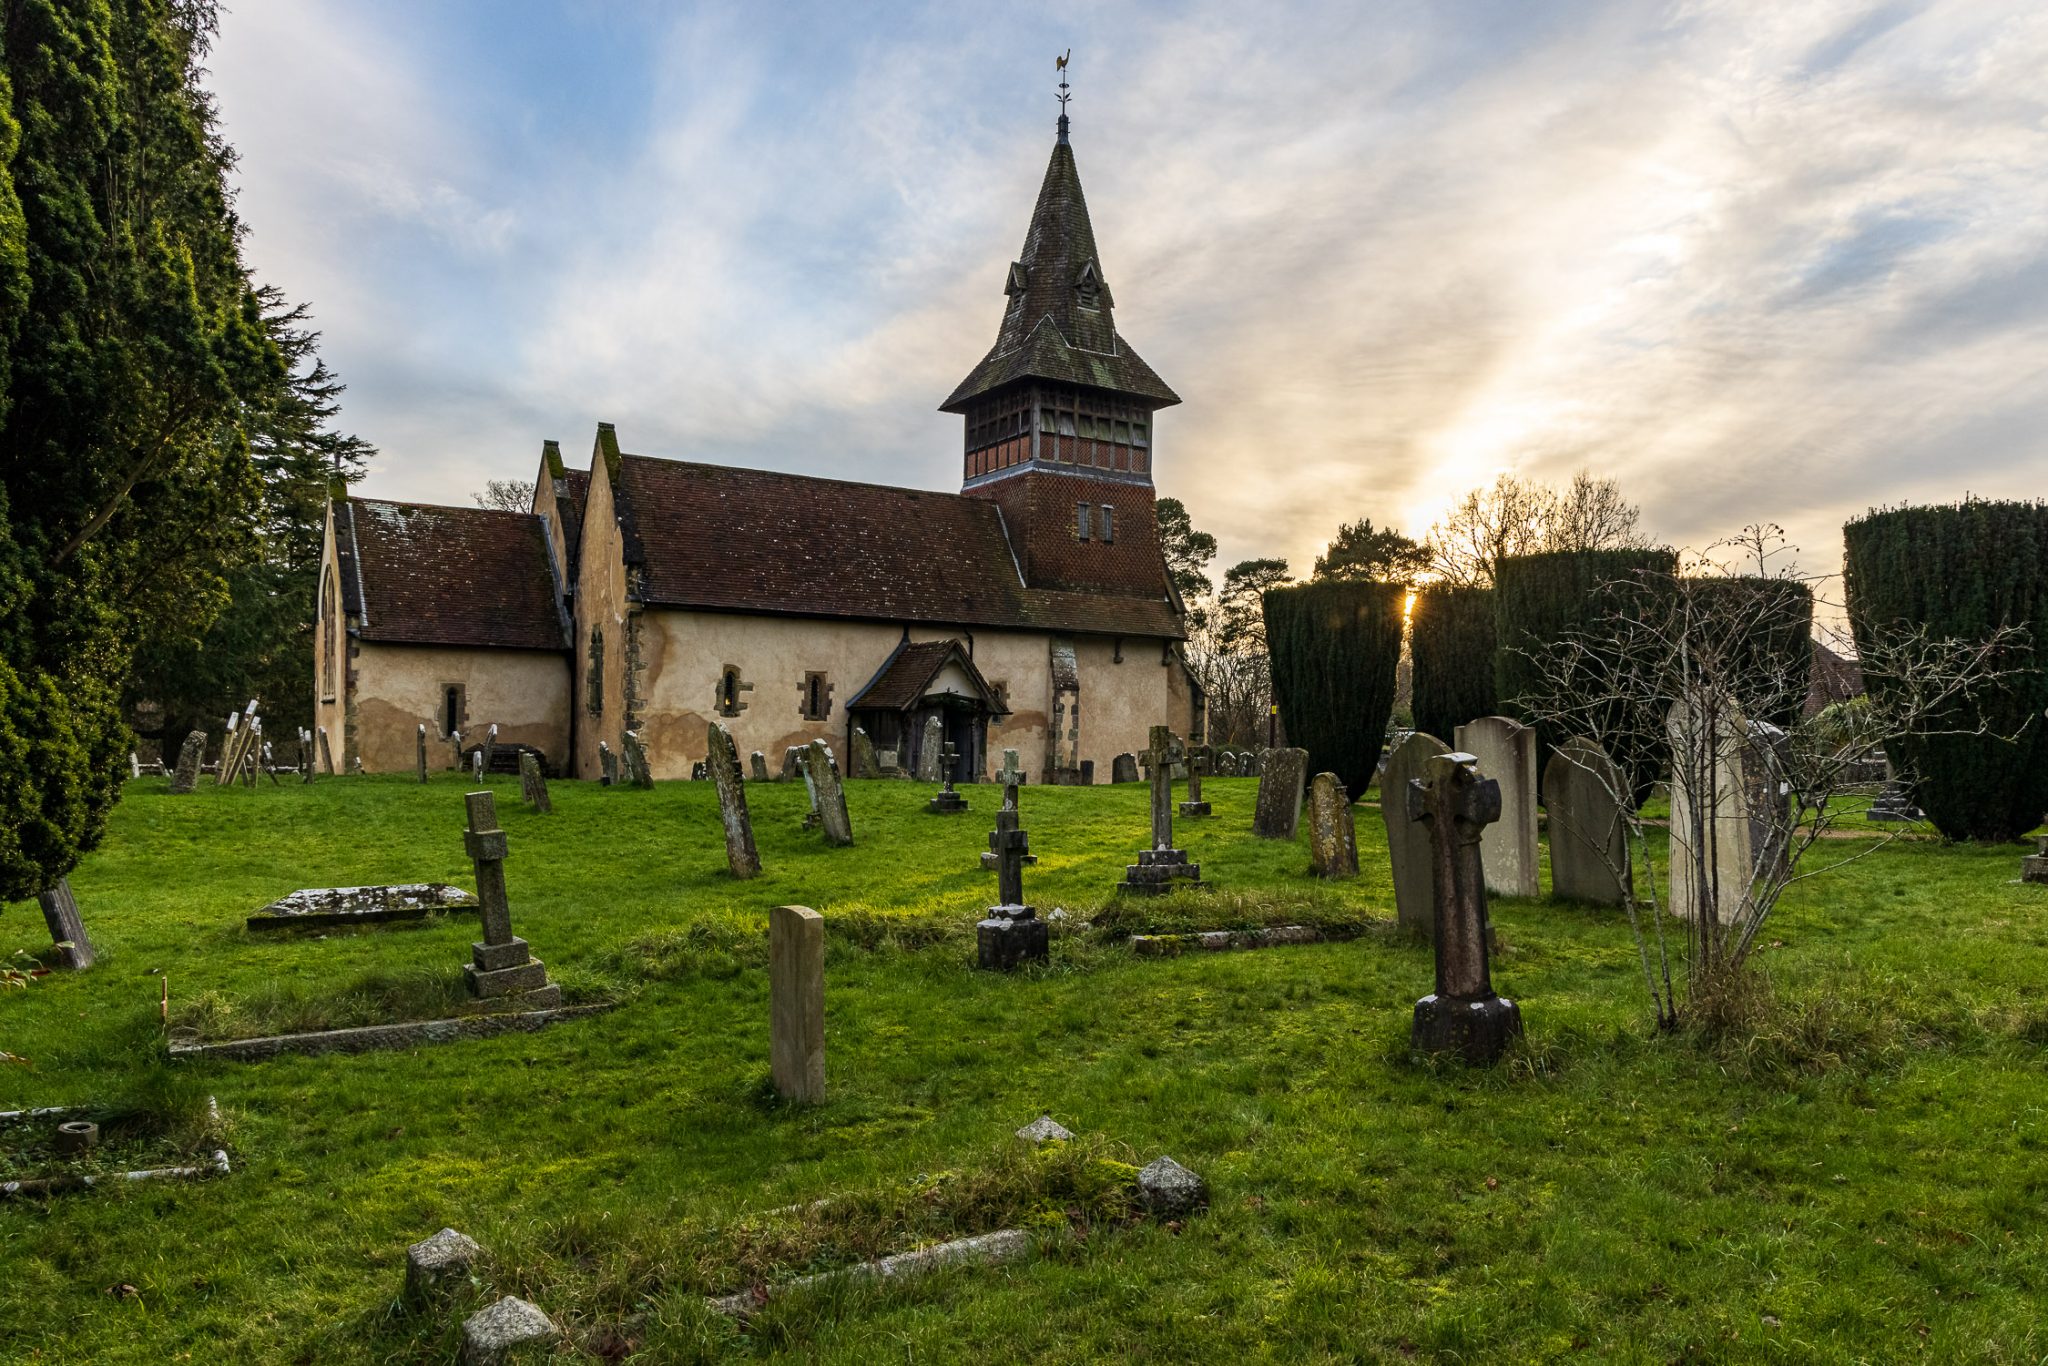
<point x="1032" y="610"/>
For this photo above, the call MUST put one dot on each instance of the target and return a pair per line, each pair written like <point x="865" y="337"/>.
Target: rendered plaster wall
<point x="605" y="616"/>
<point x="524" y="692"/>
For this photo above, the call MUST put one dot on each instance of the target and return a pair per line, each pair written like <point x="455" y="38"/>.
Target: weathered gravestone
<point x="1162" y="867"/>
<point x="1408" y="849"/>
<point x="864" y="763"/>
<point x="1011" y="933"/>
<point x="1506" y="751"/>
<point x="325" y="908"/>
<point x="500" y="973"/>
<point x="796" y="1003"/>
<point x="1711" y="856"/>
<point x="607" y="766"/>
<point x="1198" y="764"/>
<point x="1583" y="791"/>
<point x="828" y="796"/>
<point x="1124" y="768"/>
<point x="535" y="783"/>
<point x="757" y="763"/>
<point x="1281" y="778"/>
<point x="637" y="771"/>
<point x="489" y="751"/>
<point x="792" y="763"/>
<point x="326" y="752"/>
<point x="931" y="759"/>
<point x="699" y="772"/>
<point x="189" y="754"/>
<point x="947" y="802"/>
<point x="886" y="761"/>
<point x="1463" y="1015"/>
<point x="2034" y="867"/>
<point x="476" y="764"/>
<point x="1332" y="837"/>
<point x="1011" y="774"/>
<point x="67" y="930"/>
<point x="1767" y="797"/>
<point x="724" y="759"/>
<point x="423" y="751"/>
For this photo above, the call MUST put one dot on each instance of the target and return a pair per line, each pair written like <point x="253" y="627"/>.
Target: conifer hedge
<point x="1334" y="647"/>
<point x="1962" y="571"/>
<point x="1451" y="643"/>
<point x="1767" y="627"/>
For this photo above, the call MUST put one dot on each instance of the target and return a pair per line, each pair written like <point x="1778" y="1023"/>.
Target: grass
<point x="1856" y="1174"/>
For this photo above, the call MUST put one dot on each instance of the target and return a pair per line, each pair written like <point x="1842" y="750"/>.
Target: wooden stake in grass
<point x="163" y="1009"/>
<point x="796" y="1003"/>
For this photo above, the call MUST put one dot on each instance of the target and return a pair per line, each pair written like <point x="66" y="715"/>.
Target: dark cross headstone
<point x="423" y="751"/>
<point x="1332" y="837"/>
<point x="67" y="931"/>
<point x="500" y="971"/>
<point x="189" y="754"/>
<point x="535" y="783"/>
<point x="1158" y="763"/>
<point x="1281" y="778"/>
<point x="1463" y="1014"/>
<point x="740" y="855"/>
<point x="947" y="802"/>
<point x="1162" y="867"/>
<point x="864" y="762"/>
<point x="1011" y="933"/>
<point x="1198" y="764"/>
<point x="1006" y="819"/>
<point x="828" y="797"/>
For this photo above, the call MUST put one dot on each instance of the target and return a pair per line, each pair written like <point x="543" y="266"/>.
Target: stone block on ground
<point x="1045" y="1129"/>
<point x="434" y="1265"/>
<point x="2034" y="867"/>
<point x="1169" y="1190"/>
<point x="493" y="1333"/>
<point x="796" y="1003"/>
<point x="1009" y="937"/>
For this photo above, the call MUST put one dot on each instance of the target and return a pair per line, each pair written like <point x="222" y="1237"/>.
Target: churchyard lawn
<point x="1860" y="1176"/>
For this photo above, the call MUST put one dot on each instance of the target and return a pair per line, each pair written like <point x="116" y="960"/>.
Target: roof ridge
<point x="811" y="478"/>
<point x="441" y="507"/>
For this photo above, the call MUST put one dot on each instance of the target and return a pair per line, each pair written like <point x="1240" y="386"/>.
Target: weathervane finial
<point x="1059" y="64"/>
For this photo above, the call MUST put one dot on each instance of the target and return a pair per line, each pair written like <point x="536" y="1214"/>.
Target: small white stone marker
<point x="1044" y="1129"/>
<point x="493" y="1331"/>
<point x="432" y="1263"/>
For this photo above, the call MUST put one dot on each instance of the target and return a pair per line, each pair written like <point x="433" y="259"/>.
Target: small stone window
<point x="1081" y="511"/>
<point x="730" y="686"/>
<point x="593" y="681"/>
<point x="816" y="702"/>
<point x="1108" y="524"/>
<point x="451" y="708"/>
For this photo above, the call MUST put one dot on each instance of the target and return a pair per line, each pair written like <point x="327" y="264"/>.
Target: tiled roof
<point x="454" y="576"/>
<point x="1046" y="332"/>
<point x="723" y="538"/>
<point x="909" y="672"/>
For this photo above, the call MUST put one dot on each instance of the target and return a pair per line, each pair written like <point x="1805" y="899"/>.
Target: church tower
<point x="1059" y="414"/>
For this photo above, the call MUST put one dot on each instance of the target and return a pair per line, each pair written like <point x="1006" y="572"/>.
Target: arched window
<point x="593" y="685"/>
<point x="329" y="610"/>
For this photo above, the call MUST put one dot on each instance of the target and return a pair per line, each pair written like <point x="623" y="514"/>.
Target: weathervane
<point x="1059" y="64"/>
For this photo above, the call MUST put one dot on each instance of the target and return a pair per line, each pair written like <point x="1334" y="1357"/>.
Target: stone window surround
<point x="726" y="701"/>
<point x="814" y="696"/>
<point x="454" y="708"/>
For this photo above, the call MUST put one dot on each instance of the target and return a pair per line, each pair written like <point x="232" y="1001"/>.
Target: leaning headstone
<point x="637" y="771"/>
<point x="865" y="764"/>
<point x="796" y="1003"/>
<point x="1583" y="792"/>
<point x="740" y="855"/>
<point x="1124" y="768"/>
<point x="757" y="765"/>
<point x="423" y="751"/>
<point x="326" y="753"/>
<point x="607" y="765"/>
<point x="492" y="1334"/>
<point x="536" y="782"/>
<point x="1198" y="764"/>
<point x="1711" y="857"/>
<point x="828" y="795"/>
<point x="947" y="802"/>
<point x="1281" y="779"/>
<point x="67" y="931"/>
<point x="1506" y="751"/>
<point x="1464" y="1014"/>
<point x="1408" y="849"/>
<point x="489" y="752"/>
<point x="189" y="755"/>
<point x="1011" y="933"/>
<point x="500" y="973"/>
<point x="438" y="1264"/>
<point x="930" y="757"/>
<point x="1332" y="837"/>
<point x="1162" y="867"/>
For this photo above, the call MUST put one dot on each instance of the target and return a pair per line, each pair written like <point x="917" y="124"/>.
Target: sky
<point x="1756" y="261"/>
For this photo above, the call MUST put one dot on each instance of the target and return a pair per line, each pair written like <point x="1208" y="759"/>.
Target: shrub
<point x="1451" y="641"/>
<point x="1963" y="571"/>
<point x="1334" y="648"/>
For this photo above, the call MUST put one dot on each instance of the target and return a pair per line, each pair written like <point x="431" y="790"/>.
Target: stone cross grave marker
<point x="1007" y="818"/>
<point x="1506" y="751"/>
<point x="423" y="751"/>
<point x="186" y="778"/>
<point x="1198" y="764"/>
<point x="1162" y="867"/>
<point x="931" y="756"/>
<point x="535" y="783"/>
<point x="637" y="771"/>
<point x="1464" y="1014"/>
<point x="1712" y="861"/>
<point x="864" y="762"/>
<point x="757" y="764"/>
<point x="828" y="795"/>
<point x="740" y="855"/>
<point x="796" y="1002"/>
<point x="490" y="747"/>
<point x="67" y="930"/>
<point x="1011" y="933"/>
<point x="946" y="801"/>
<point x="1408" y="847"/>
<point x="1332" y="837"/>
<point x="1282" y="777"/>
<point x="500" y="972"/>
<point x="1011" y="774"/>
<point x="1583" y="790"/>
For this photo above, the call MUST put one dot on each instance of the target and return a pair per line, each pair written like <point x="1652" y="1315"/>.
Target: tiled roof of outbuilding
<point x="453" y="576"/>
<point x="908" y="675"/>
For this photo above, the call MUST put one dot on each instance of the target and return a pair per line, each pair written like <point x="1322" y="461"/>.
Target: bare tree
<point x="1517" y="516"/>
<point x="1674" y="665"/>
<point x="1591" y="514"/>
<point x="506" y="495"/>
<point x="1228" y="653"/>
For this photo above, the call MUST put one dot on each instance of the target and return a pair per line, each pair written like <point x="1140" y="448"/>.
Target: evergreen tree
<point x="1187" y="553"/>
<point x="1375" y="554"/>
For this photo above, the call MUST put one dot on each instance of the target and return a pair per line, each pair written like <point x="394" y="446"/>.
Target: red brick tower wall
<point x="1040" y="509"/>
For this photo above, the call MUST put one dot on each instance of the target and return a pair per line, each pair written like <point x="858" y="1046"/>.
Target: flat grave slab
<point x="326" y="908"/>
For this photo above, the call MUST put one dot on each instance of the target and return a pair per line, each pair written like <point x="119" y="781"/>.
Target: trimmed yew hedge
<point x="1451" y="641"/>
<point x="1962" y="571"/>
<point x="1334" y="647"/>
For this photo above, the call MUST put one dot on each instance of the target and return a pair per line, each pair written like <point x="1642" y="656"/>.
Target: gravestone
<point x="423" y="751"/>
<point x="757" y="762"/>
<point x="1281" y="779"/>
<point x="455" y="750"/>
<point x="886" y="763"/>
<point x="1767" y="797"/>
<point x="535" y="782"/>
<point x="189" y="754"/>
<point x="865" y="764"/>
<point x="326" y="753"/>
<point x="1198" y="764"/>
<point x="1583" y="791"/>
<point x="740" y="855"/>
<point x="796" y="1003"/>
<point x="476" y="763"/>
<point x="638" y="773"/>
<point x="1011" y="774"/>
<point x="489" y="750"/>
<point x="607" y="766"/>
<point x="698" y="772"/>
<point x="1506" y="751"/>
<point x="1332" y="837"/>
<point x="1408" y="849"/>
<point x="305" y="755"/>
<point x="1011" y="933"/>
<point x="931" y="759"/>
<point x="2034" y="867"/>
<point x="1456" y="803"/>
<point x="1124" y="768"/>
<point x="947" y="802"/>
<point x="1162" y="867"/>
<point x="67" y="930"/>
<point x="326" y="908"/>
<point x="828" y="796"/>
<point x="134" y="764"/>
<point x="1711" y="856"/>
<point x="792" y="763"/>
<point x="500" y="972"/>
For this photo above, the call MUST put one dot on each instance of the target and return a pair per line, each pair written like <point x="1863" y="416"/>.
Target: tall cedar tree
<point x="261" y="644"/>
<point x="1335" y="646"/>
<point x="1961" y="572"/>
<point x="131" y="347"/>
<point x="1451" y="641"/>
